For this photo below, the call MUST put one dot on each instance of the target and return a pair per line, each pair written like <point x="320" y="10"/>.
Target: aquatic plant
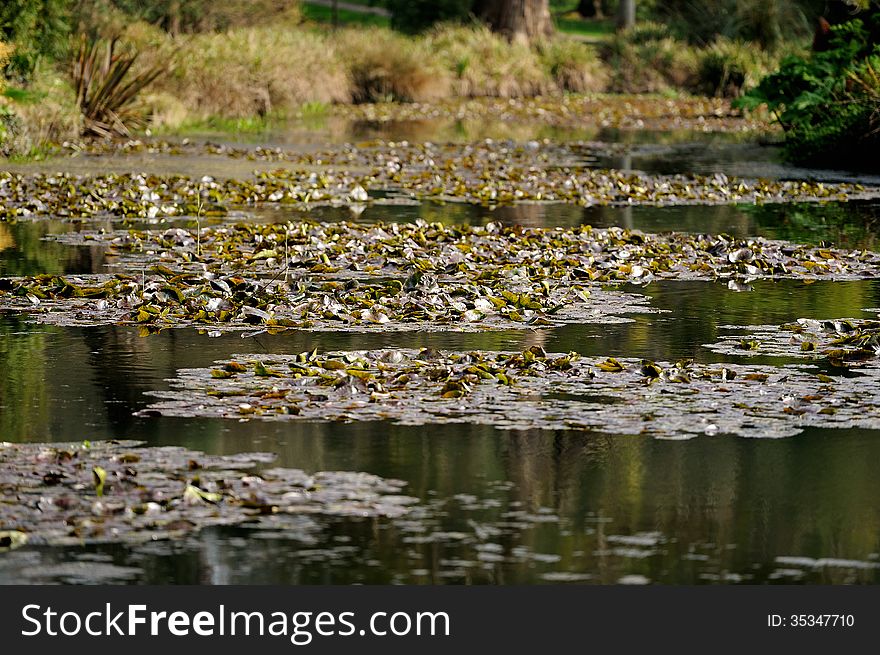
<point x="532" y="389"/>
<point x="488" y="172"/>
<point x="828" y="104"/>
<point x="105" y="91"/>
<point x="838" y="343"/>
<point x="119" y="491"/>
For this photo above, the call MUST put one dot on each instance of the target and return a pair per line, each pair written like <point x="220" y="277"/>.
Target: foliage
<point x="9" y="127"/>
<point x="36" y="29"/>
<point x="767" y="22"/>
<point x="648" y="59"/>
<point x="5" y="53"/>
<point x="245" y="73"/>
<point x="573" y="65"/>
<point x="42" y="114"/>
<point x="829" y="104"/>
<point x="418" y="15"/>
<point x="383" y="65"/>
<point x="177" y="16"/>
<point x="105" y="92"/>
<point x="485" y="64"/>
<point x="727" y="68"/>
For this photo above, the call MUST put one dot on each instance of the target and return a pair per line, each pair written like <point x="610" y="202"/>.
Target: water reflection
<point x="497" y="507"/>
<point x="27" y="248"/>
<point x="506" y="507"/>
<point x="537" y="506"/>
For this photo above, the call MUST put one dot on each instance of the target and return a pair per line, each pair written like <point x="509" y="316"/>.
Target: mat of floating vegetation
<point x="489" y="173"/>
<point x="840" y="343"/>
<point x="489" y="254"/>
<point x="528" y="390"/>
<point x="337" y="276"/>
<point x="120" y="491"/>
<point x="165" y="299"/>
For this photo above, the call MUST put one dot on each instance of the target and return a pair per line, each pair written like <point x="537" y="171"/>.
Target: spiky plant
<point x="106" y="92"/>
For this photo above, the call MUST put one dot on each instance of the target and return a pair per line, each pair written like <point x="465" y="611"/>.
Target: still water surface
<point x="497" y="507"/>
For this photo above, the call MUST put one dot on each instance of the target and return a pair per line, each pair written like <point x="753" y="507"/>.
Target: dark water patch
<point x="530" y="505"/>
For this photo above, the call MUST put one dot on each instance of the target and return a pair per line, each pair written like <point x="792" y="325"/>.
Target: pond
<point x="518" y="506"/>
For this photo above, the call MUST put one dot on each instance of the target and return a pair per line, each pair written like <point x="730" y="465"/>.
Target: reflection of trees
<point x="23" y="394"/>
<point x="696" y="309"/>
<point x="23" y="251"/>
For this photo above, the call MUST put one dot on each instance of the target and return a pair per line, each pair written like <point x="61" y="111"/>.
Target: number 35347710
<point x="811" y="620"/>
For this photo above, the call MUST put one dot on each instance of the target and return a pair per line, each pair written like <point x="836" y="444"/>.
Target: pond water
<point x="497" y="507"/>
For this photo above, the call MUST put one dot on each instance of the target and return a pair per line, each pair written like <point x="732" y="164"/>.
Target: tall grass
<point x="650" y="59"/>
<point x="484" y="64"/>
<point x="254" y="71"/>
<point x="384" y="65"/>
<point x="259" y="71"/>
<point x="572" y="65"/>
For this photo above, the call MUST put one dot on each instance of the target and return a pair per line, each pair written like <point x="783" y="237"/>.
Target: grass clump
<point x="573" y="65"/>
<point x="249" y="72"/>
<point x="728" y="68"/>
<point x="485" y="64"/>
<point x="384" y="66"/>
<point x="648" y="59"/>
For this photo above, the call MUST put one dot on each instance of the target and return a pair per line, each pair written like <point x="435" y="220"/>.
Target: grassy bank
<point x="249" y="72"/>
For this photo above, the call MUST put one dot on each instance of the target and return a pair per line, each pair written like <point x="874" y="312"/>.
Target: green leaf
<point x="99" y="477"/>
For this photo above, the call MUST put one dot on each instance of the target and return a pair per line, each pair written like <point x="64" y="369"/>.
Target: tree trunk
<point x="626" y="14"/>
<point x="519" y="20"/>
<point x="174" y="17"/>
<point x="591" y="9"/>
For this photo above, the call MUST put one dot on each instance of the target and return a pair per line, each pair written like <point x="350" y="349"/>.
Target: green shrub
<point x="485" y="64"/>
<point x="829" y="104"/>
<point x="36" y="29"/>
<point x="573" y="65"/>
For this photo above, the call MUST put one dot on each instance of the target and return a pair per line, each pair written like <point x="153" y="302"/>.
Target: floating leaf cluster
<point x="65" y="195"/>
<point x="491" y="253"/>
<point x="840" y="343"/>
<point x="527" y="390"/>
<point x="496" y="172"/>
<point x="71" y="494"/>
<point x="487" y="172"/>
<point x="416" y="276"/>
<point x="165" y="299"/>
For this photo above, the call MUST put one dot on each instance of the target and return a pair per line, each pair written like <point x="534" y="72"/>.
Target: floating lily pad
<point x="52" y="495"/>
<point x="842" y="343"/>
<point x="418" y="252"/>
<point x="165" y="300"/>
<point x="530" y="390"/>
<point x="487" y="172"/>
